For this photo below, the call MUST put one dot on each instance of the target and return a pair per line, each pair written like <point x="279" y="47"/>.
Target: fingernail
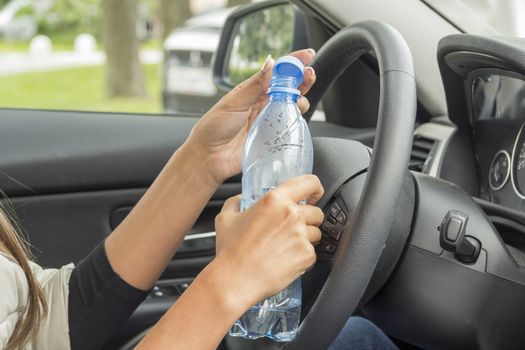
<point x="312" y="70"/>
<point x="267" y="64"/>
<point x="312" y="51"/>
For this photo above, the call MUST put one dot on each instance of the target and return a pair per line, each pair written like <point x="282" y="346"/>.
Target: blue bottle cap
<point x="289" y="66"/>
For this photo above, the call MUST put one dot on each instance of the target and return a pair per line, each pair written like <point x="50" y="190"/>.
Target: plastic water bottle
<point x="278" y="148"/>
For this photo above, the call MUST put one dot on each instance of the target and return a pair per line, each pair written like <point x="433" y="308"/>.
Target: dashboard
<point x="484" y="82"/>
<point x="479" y="147"/>
<point x="497" y="117"/>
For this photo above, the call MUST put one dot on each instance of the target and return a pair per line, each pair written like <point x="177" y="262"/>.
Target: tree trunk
<point x="172" y="15"/>
<point x="237" y="2"/>
<point x="124" y="73"/>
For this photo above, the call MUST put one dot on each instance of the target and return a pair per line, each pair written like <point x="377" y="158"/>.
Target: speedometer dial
<point x="518" y="164"/>
<point x="499" y="170"/>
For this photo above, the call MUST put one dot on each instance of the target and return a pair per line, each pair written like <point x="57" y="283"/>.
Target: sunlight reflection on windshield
<point x="491" y="17"/>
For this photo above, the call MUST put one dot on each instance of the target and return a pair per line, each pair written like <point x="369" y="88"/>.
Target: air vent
<point x="422" y="154"/>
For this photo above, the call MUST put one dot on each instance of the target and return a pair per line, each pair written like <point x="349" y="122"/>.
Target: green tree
<point x="70" y="18"/>
<point x="264" y="33"/>
<point x="124" y="73"/>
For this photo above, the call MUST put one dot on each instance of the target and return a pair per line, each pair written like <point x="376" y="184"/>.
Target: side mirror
<point x="253" y="32"/>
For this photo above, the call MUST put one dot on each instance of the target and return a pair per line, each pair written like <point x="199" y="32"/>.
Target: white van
<point x="188" y="86"/>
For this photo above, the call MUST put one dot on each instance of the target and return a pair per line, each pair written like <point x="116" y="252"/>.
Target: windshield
<point x="485" y="17"/>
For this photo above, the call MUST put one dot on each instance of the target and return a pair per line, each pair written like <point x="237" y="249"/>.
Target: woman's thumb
<point x="258" y="83"/>
<point x="232" y="204"/>
<point x="267" y="65"/>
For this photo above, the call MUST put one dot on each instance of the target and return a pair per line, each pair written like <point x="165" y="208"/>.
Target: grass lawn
<point x="14" y="46"/>
<point x="9" y="46"/>
<point x="76" y="89"/>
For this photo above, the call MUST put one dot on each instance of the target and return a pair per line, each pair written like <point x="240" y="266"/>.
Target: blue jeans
<point x="361" y="334"/>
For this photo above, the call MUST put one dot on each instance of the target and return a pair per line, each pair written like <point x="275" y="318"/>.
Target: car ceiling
<point x="421" y="27"/>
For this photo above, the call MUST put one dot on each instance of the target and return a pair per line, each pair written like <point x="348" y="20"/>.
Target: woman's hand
<point x="261" y="251"/>
<point x="218" y="138"/>
<point x="269" y="245"/>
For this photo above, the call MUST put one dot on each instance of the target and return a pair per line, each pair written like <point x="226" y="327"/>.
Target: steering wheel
<point x="341" y="166"/>
<point x="365" y="234"/>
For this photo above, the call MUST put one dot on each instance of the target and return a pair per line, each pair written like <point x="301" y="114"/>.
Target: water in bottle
<point x="278" y="147"/>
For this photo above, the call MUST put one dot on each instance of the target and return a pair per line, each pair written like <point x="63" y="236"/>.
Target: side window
<point x="275" y="30"/>
<point x="134" y="56"/>
<point x="143" y="56"/>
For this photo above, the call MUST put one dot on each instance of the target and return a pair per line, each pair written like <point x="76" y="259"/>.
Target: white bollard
<point x="40" y="44"/>
<point x="85" y="43"/>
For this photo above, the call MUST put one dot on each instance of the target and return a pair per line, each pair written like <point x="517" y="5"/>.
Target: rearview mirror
<point x="250" y="34"/>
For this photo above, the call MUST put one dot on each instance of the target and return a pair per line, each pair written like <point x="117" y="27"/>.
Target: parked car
<point x="188" y="86"/>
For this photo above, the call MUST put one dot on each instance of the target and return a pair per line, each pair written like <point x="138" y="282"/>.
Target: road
<point x="21" y="62"/>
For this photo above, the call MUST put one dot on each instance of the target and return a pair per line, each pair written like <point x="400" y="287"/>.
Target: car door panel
<point x="63" y="228"/>
<point x="60" y="152"/>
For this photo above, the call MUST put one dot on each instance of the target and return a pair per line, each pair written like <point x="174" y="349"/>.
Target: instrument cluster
<point x="498" y="118"/>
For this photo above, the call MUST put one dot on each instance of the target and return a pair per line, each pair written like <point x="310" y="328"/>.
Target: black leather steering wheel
<point x="339" y="161"/>
<point x="368" y="228"/>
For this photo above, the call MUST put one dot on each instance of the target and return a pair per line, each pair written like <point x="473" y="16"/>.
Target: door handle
<point x="198" y="243"/>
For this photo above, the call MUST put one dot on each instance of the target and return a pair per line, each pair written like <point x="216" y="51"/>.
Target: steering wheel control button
<point x="332" y="228"/>
<point x="453" y="238"/>
<point x="327" y="247"/>
<point x="326" y="226"/>
<point x="330" y="219"/>
<point x="335" y="232"/>
<point x="334" y="210"/>
<point x="341" y="218"/>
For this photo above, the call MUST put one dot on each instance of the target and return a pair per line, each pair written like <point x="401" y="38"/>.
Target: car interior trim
<point x="441" y="134"/>
<point x="203" y="235"/>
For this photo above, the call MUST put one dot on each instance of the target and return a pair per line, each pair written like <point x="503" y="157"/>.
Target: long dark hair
<point x="12" y="244"/>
